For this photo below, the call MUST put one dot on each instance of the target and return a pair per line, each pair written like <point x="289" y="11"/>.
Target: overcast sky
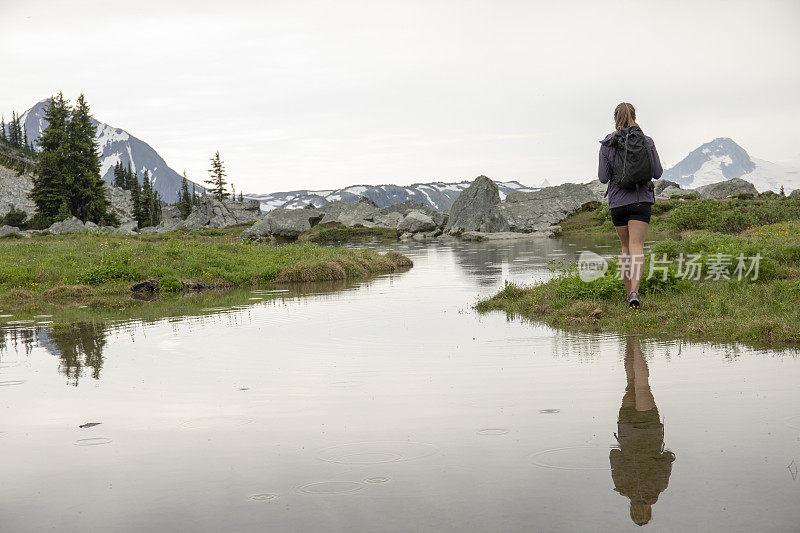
<point x="302" y="94"/>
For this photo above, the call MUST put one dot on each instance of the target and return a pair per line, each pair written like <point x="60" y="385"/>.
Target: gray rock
<point x="14" y="190"/>
<point x="170" y="218"/>
<point x="659" y="186"/>
<point x="598" y="189"/>
<point x="416" y="222"/>
<point x="352" y="214"/>
<point x="726" y="189"/>
<point x="795" y="194"/>
<point x="538" y="210"/>
<point x="212" y="213"/>
<point x="70" y="225"/>
<point x="91" y="226"/>
<point x="388" y="220"/>
<point x="669" y="192"/>
<point x="476" y="209"/>
<point x="285" y="223"/>
<point x="121" y="203"/>
<point x="439" y="217"/>
<point x="127" y="228"/>
<point x="151" y="230"/>
<point x="5" y="231"/>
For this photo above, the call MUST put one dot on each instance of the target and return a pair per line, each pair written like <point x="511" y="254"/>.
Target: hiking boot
<point x="633" y="300"/>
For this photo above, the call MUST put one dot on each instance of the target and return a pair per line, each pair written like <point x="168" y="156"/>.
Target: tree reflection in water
<point x="79" y="345"/>
<point x="640" y="467"/>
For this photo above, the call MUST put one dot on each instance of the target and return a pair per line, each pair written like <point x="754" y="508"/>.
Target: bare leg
<point x="637" y="232"/>
<point x="644" y="397"/>
<point x="624" y="257"/>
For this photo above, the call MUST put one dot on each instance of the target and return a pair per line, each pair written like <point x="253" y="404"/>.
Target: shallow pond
<point x="388" y="405"/>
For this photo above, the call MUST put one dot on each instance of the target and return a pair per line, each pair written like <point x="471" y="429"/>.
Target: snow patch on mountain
<point x="437" y="195"/>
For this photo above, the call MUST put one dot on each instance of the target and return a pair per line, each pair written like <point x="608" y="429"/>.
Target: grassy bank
<point x="332" y="232"/>
<point x="70" y="269"/>
<point x="687" y="213"/>
<point x="762" y="313"/>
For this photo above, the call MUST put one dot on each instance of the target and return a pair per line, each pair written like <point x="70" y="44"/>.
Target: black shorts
<point x="638" y="211"/>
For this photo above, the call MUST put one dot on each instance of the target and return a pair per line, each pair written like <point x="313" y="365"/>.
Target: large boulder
<point x="127" y="228"/>
<point x="352" y="214"/>
<point x="659" y="186"/>
<point x="726" y="189"/>
<point x="70" y="225"/>
<point x="439" y="217"/>
<point x="15" y="189"/>
<point x="416" y="222"/>
<point x="598" y="189"/>
<point x="476" y="209"/>
<point x="170" y="218"/>
<point x="538" y="210"/>
<point x="121" y="203"/>
<point x="284" y="223"/>
<point x="211" y="213"/>
<point x="5" y="231"/>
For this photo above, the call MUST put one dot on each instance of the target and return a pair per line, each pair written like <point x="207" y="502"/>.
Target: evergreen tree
<point x="217" y="180"/>
<point x="195" y="197"/>
<point x="233" y="192"/>
<point x="145" y="201"/>
<point x="50" y="183"/>
<point x="13" y="136"/>
<point x="3" y="128"/>
<point x="133" y="186"/>
<point x="25" y="138"/>
<point x="783" y="192"/>
<point x="241" y="197"/>
<point x="88" y="199"/>
<point x="184" y="200"/>
<point x="119" y="175"/>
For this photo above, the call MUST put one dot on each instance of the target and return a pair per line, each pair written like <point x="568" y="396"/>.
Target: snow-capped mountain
<point x="116" y="145"/>
<point x="722" y="159"/>
<point x="437" y="195"/>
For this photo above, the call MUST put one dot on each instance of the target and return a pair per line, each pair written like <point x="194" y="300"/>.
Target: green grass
<point x="761" y="313"/>
<point x="687" y="214"/>
<point x="331" y="232"/>
<point x="76" y="268"/>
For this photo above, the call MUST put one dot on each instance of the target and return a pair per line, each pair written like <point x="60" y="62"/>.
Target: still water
<point x="388" y="405"/>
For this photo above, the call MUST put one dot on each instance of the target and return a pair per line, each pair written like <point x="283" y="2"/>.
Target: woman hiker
<point x="628" y="163"/>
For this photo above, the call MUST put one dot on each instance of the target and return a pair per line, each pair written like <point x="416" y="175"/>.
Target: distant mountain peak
<point x="717" y="160"/>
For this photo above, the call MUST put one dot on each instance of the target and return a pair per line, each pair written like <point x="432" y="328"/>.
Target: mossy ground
<point x="71" y="269"/>
<point x="761" y="313"/>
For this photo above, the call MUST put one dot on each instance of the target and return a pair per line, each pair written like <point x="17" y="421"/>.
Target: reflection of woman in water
<point x="640" y="467"/>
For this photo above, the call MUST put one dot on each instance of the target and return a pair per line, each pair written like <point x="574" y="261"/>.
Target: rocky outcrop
<point x="70" y="225"/>
<point x="5" y="231"/>
<point x="536" y="211"/>
<point x="659" y="186"/>
<point x="416" y="222"/>
<point x="212" y="213"/>
<point x="726" y="189"/>
<point x="476" y="209"/>
<point x="283" y="223"/>
<point x="14" y="191"/>
<point x="121" y="203"/>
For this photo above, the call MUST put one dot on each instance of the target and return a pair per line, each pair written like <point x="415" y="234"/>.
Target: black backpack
<point x="633" y="161"/>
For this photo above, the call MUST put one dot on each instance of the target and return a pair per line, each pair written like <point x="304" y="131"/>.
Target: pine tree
<point x="88" y="199"/>
<point x="133" y="186"/>
<point x="25" y="138"/>
<point x="217" y="180"/>
<point x="13" y="137"/>
<point x="145" y="201"/>
<point x="233" y="192"/>
<point x="783" y="192"/>
<point x="3" y="129"/>
<point x="184" y="200"/>
<point x="50" y="183"/>
<point x="119" y="175"/>
<point x="241" y="197"/>
<point x="195" y="197"/>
